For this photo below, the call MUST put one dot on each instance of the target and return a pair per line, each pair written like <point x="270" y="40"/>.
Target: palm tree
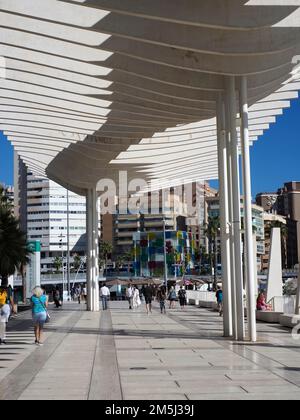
<point x="119" y="262"/>
<point x="200" y="256"/>
<point x="57" y="262"/>
<point x="13" y="244"/>
<point x="212" y="231"/>
<point x="4" y="200"/>
<point x="105" y="251"/>
<point x="77" y="261"/>
<point x="129" y="256"/>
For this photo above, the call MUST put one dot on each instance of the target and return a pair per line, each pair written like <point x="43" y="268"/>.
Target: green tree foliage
<point x="13" y="244"/>
<point x="212" y="231"/>
<point x="57" y="263"/>
<point x="105" y="251"/>
<point x="77" y="261"/>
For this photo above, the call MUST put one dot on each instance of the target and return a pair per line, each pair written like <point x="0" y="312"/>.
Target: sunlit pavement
<point x="127" y="354"/>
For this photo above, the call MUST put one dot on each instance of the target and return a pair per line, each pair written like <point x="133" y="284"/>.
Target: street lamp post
<point x="165" y="255"/>
<point x="62" y="260"/>
<point x="68" y="248"/>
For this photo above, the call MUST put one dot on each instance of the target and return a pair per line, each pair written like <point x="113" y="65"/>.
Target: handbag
<point x="48" y="317"/>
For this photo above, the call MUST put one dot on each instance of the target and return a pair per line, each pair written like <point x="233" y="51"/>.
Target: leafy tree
<point x="212" y="230"/>
<point x="13" y="244"/>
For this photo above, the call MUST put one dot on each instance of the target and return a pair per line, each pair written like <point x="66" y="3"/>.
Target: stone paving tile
<point x="184" y="355"/>
<point x="155" y="397"/>
<point x="257" y="389"/>
<point x="243" y="397"/>
<point x="127" y="373"/>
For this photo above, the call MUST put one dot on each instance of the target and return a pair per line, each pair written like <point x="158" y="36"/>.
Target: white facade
<point x="47" y="219"/>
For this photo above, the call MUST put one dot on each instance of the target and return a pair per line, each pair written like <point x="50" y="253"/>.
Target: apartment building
<point x="286" y="202"/>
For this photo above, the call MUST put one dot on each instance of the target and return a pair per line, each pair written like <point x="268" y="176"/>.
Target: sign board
<point x="33" y="271"/>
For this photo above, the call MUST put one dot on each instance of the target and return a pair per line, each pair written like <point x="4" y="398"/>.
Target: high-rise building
<point x="213" y="206"/>
<point x="196" y="224"/>
<point x="20" y="187"/>
<point x="119" y="229"/>
<point x="48" y="207"/>
<point x="43" y="208"/>
<point x="286" y="202"/>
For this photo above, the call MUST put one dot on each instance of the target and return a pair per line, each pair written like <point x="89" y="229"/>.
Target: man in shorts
<point x="148" y="295"/>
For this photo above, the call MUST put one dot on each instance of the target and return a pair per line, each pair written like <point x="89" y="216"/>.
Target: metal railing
<point x="285" y="304"/>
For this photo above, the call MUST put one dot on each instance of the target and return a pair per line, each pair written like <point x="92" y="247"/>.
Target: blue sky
<point x="6" y="161"/>
<point x="275" y="156"/>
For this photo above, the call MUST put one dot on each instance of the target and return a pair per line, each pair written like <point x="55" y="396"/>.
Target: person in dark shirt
<point x="182" y="297"/>
<point x="161" y="298"/>
<point x="148" y="295"/>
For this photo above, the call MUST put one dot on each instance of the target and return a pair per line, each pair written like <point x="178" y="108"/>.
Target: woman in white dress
<point x="136" y="298"/>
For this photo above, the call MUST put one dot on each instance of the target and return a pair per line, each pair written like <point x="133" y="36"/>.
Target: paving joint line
<point x="8" y="383"/>
<point x="227" y="344"/>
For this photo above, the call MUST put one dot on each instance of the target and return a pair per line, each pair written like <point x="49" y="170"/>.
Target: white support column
<point x="92" y="250"/>
<point x="230" y="216"/>
<point x="224" y="218"/>
<point x="248" y="227"/>
<point x="236" y="200"/>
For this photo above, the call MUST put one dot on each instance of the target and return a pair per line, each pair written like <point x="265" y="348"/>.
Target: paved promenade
<point x="122" y="354"/>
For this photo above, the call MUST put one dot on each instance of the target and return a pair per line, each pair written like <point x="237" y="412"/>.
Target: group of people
<point x="79" y="293"/>
<point x="160" y="294"/>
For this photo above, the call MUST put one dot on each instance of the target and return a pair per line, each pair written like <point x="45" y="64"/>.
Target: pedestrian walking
<point x="148" y="294"/>
<point x="4" y="317"/>
<point x="6" y="297"/>
<point x="136" y="301"/>
<point x="142" y="294"/>
<point x="129" y="295"/>
<point x="39" y="304"/>
<point x="78" y="294"/>
<point x="219" y="297"/>
<point x="182" y="298"/>
<point x="56" y="297"/>
<point x="172" y="297"/>
<point x="161" y="298"/>
<point x="84" y="294"/>
<point x="104" y="294"/>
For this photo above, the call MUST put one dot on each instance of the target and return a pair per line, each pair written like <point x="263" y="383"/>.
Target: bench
<point x="270" y="317"/>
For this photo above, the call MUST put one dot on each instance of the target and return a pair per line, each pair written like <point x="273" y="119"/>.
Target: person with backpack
<point x="182" y="297"/>
<point x="172" y="297"/>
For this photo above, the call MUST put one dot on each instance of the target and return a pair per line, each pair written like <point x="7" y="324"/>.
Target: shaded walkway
<point x="122" y="354"/>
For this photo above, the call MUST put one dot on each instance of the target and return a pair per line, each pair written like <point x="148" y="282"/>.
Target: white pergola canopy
<point x="96" y="86"/>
